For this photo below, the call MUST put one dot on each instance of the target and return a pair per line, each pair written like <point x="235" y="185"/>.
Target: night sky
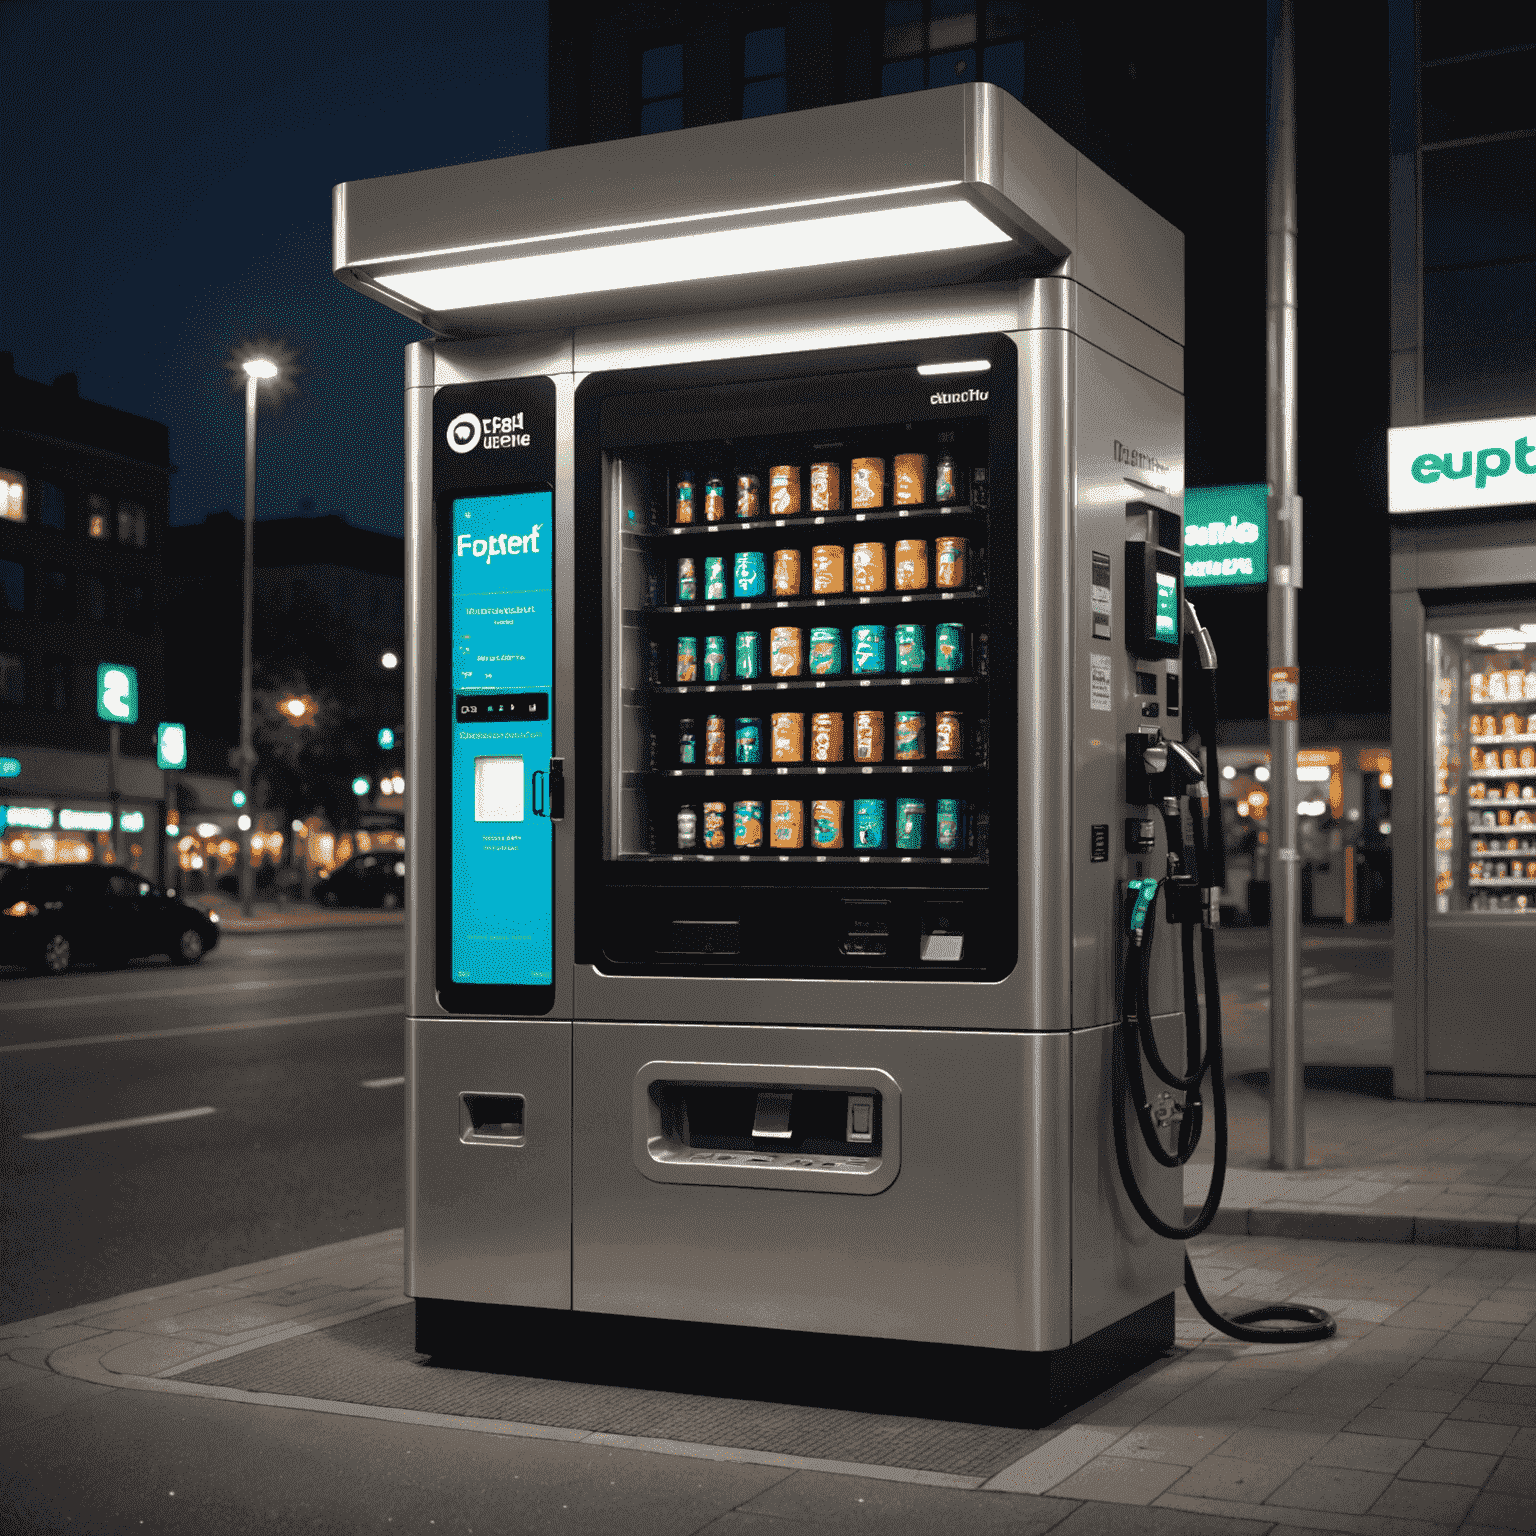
<point x="167" y="175"/>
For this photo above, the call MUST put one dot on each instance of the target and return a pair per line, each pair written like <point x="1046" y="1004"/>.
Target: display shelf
<point x="809" y="856"/>
<point x="876" y="515"/>
<point x="1503" y="741"/>
<point x="1476" y="824"/>
<point x="1501" y="773"/>
<point x="847" y="602"/>
<point x="776" y="685"/>
<point x="815" y="770"/>
<point x="1494" y="882"/>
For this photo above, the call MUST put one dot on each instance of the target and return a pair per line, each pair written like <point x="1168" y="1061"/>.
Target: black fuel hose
<point x="1287" y="1322"/>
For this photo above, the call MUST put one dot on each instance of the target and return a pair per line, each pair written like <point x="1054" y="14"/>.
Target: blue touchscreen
<point x="502" y="678"/>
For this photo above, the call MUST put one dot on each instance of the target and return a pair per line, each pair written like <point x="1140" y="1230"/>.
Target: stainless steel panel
<point x="501" y="357"/>
<point x="1491" y="555"/>
<point x="1410" y="843"/>
<point x="489" y="1222"/>
<point x="1128" y="254"/>
<point x="970" y="1245"/>
<point x="1115" y="405"/>
<point x="1118" y="1263"/>
<point x="1062" y="303"/>
<point x="1480" y="1089"/>
<point x="1480" y="1011"/>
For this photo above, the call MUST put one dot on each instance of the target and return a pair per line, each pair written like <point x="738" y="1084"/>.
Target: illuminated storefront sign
<point x="1226" y="536"/>
<point x="38" y="817"/>
<point x="1462" y="464"/>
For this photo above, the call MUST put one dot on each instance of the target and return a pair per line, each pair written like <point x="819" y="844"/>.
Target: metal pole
<point x="114" y="746"/>
<point x="1287" y="1122"/>
<point x="247" y="881"/>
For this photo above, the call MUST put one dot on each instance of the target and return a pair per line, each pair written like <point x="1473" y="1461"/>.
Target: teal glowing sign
<point x="1226" y="536"/>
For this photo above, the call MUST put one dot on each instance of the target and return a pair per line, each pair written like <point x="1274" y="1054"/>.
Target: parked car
<point x="53" y="917"/>
<point x="365" y="880"/>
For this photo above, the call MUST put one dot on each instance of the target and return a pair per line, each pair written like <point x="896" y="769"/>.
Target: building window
<point x="762" y="72"/>
<point x="98" y="600"/>
<point x="52" y="505"/>
<point x="13" y="679"/>
<point x="53" y="594"/>
<point x="13" y="587"/>
<point x="56" y="688"/>
<point x="132" y="524"/>
<point x="13" y="496"/>
<point x="661" y="88"/>
<point x="953" y="42"/>
<point x="98" y="516"/>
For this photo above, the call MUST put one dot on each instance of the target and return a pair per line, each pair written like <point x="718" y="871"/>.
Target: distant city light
<point x="389" y="661"/>
<point x="298" y="826"/>
<point x="244" y="823"/>
<point x="360" y="786"/>
<point x="237" y="799"/>
<point x="1261" y="773"/>
<point x="207" y="829"/>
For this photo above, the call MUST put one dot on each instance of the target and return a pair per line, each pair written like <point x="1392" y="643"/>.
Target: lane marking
<point x="200" y="1029"/>
<point x="118" y="1125"/>
<point x="384" y="1082"/>
<point x="117" y="999"/>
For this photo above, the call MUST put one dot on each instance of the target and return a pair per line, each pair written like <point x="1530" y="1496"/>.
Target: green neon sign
<point x="1226" y="536"/>
<point x="117" y="693"/>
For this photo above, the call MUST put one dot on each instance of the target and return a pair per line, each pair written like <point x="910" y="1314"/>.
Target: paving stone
<point x="1506" y="1511"/>
<point x="1519" y="1353"/>
<point x="1284" y="1447"/>
<point x="1515" y="1474"/>
<point x="1496" y="1311"/>
<point x="1397" y="1422"/>
<point x="1427" y="1314"/>
<point x="1522" y="1415"/>
<point x="1340" y="1490"/>
<point x="1524" y="1444"/>
<point x="1420" y="1399"/>
<point x="1230" y="1477"/>
<point x="1181" y="1445"/>
<point x="1463" y="1346"/>
<point x="1511" y="1375"/>
<point x="1118" y="1480"/>
<point x="1425" y="1501"/>
<point x="1465" y="1469"/>
<point x="1456" y="1435"/>
<point x="1368" y="1453"/>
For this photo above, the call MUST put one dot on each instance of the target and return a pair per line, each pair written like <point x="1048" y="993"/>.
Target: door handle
<point x="538" y="796"/>
<point x="557" y="789"/>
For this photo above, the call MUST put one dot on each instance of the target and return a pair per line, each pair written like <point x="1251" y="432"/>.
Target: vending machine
<point x="794" y="560"/>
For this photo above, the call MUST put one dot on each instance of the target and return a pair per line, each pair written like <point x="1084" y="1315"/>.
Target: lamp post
<point x="256" y="369"/>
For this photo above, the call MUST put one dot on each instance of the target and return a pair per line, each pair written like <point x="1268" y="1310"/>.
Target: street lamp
<point x="389" y="661"/>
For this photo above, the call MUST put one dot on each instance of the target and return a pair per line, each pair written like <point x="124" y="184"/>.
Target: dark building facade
<point x="82" y="544"/>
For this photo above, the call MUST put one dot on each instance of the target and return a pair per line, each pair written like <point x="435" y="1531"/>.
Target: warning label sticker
<point x="1098" y="682"/>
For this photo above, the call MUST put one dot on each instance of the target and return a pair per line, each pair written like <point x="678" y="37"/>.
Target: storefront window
<point x="13" y="496"/>
<point x="661" y="88"/>
<point x="98" y="516"/>
<point x="132" y="524"/>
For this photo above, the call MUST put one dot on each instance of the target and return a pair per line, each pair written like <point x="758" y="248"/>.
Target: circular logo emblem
<point x="464" y="433"/>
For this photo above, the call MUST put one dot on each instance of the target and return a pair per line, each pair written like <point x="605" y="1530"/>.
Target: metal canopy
<point x="931" y="165"/>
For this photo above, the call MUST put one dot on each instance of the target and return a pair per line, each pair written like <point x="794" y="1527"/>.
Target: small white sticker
<point x="1098" y="682"/>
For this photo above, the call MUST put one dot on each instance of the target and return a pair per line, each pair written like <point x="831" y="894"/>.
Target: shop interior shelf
<point x="810" y="520"/>
<point x="1483" y="881"/>
<point x="1501" y="773"/>
<point x="808" y="856"/>
<point x="1475" y="822"/>
<point x="786" y="684"/>
<point x="847" y="602"/>
<point x="1503" y="741"/>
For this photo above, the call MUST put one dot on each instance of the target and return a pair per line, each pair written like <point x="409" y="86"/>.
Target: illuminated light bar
<point x="980" y="365"/>
<point x="827" y="241"/>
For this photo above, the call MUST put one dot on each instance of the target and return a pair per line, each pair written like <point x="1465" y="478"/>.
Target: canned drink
<point x="911" y="735"/>
<point x="1511" y="758"/>
<point x="827" y="738"/>
<point x="948" y="826"/>
<point x="944" y="479"/>
<point x="784" y="490"/>
<point x="684" y="500"/>
<point x="950" y="552"/>
<point x="911" y="479"/>
<point x="826" y="652"/>
<point x="714" y="741"/>
<point x="749" y="496"/>
<point x="751" y="573"/>
<point x="869" y="568"/>
<point x="911" y="565"/>
<point x="948" y="736"/>
<point x="786" y="573"/>
<point x="788" y="739"/>
<point x="749" y="740"/>
<point x="786" y="823"/>
<point x="688" y="826"/>
<point x="869" y="736"/>
<point x="826" y="823"/>
<point x="749" y="653"/>
<point x="868" y="483"/>
<point x="910" y="815"/>
<point x="1528" y="757"/>
<point x="688" y="742"/>
<point x="826" y="488"/>
<point x="786" y="651"/>
<point x="828" y="576"/>
<point x="714" y="658"/>
<point x="714" y="823"/>
<point x="869" y="648"/>
<point x="687" y="658"/>
<point x="747" y="831"/>
<point x="714" y="578"/>
<point x="949" y="647"/>
<point x="687" y="581"/>
<point x="714" y="500"/>
<point x="869" y="824"/>
<point x="911" y="648"/>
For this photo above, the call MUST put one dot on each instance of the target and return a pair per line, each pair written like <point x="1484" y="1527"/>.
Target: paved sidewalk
<point x="175" y="1408"/>
<point x="296" y="917"/>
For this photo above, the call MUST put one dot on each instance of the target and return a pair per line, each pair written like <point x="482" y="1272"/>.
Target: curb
<point x="1372" y="1227"/>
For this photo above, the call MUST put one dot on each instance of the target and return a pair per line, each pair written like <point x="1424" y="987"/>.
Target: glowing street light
<point x="389" y="661"/>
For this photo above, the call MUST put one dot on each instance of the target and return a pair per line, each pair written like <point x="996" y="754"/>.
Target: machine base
<point x="932" y="1381"/>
